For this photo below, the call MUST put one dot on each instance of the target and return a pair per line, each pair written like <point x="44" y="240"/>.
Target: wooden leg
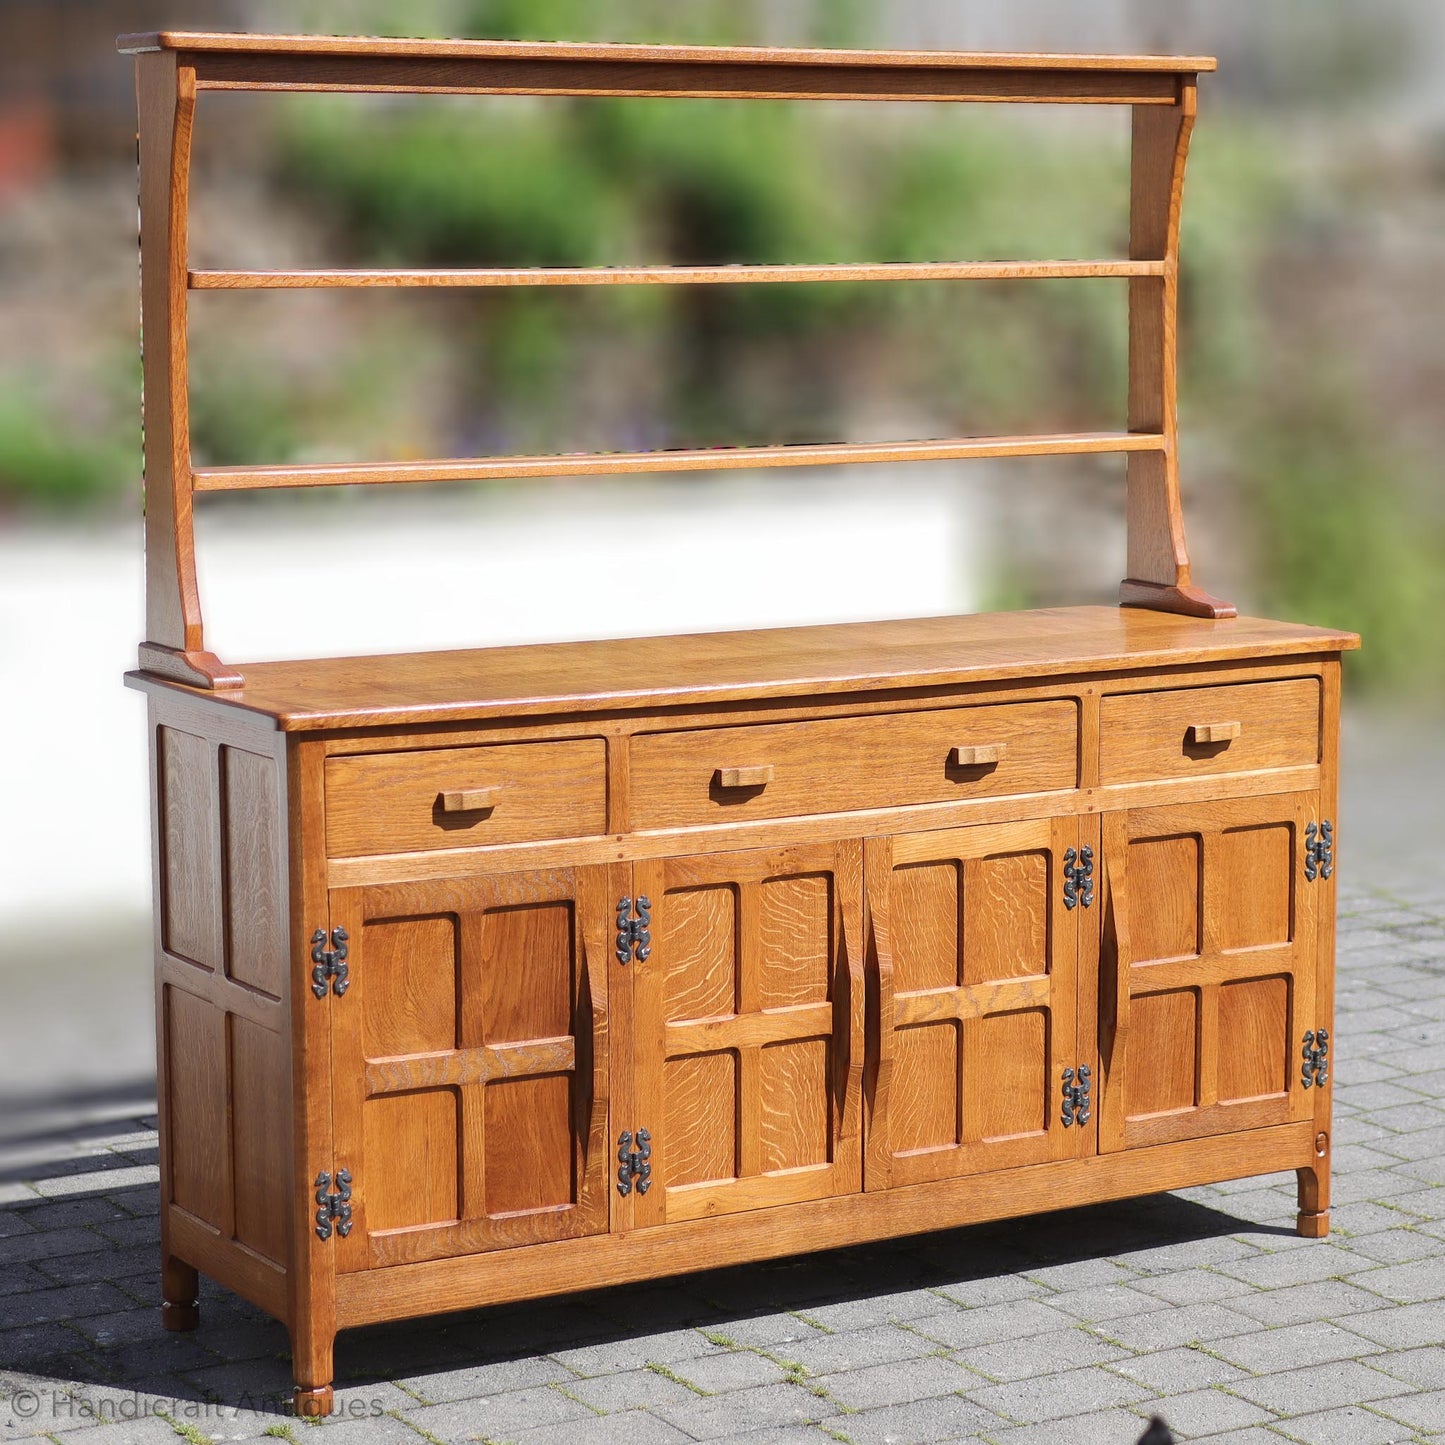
<point x="180" y="1290"/>
<point x="1314" y="1200"/>
<point x="1189" y="600"/>
<point x="311" y="1364"/>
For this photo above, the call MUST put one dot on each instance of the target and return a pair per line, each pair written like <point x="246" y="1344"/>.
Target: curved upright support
<point x="1158" y="564"/>
<point x="175" y="645"/>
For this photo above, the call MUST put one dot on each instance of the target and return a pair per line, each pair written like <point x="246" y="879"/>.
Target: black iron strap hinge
<point x="634" y="936"/>
<point x="331" y="970"/>
<point x="333" y="1208"/>
<point x="1079" y="877"/>
<point x="634" y="1171"/>
<point x="1315" y="1071"/>
<point x="1319" y="850"/>
<point x="1076" y="1096"/>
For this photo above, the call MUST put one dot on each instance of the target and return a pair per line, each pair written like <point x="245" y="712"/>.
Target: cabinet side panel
<point x="187" y="847"/>
<point x="255" y="848"/>
<point x="196" y="1104"/>
<point x="260" y="1102"/>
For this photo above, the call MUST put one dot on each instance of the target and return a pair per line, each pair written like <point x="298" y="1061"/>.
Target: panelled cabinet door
<point x="976" y="953"/>
<point x="1207" y="968"/>
<point x="747" y="1030"/>
<point x="469" y="1062"/>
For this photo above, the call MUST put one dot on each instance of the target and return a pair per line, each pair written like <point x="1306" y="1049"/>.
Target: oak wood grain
<point x="432" y="687"/>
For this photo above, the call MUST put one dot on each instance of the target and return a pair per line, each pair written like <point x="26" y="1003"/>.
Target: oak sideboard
<point x="493" y="974"/>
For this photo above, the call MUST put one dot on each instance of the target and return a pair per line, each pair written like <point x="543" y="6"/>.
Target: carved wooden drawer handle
<point x="471" y="800"/>
<point x="978" y="755"/>
<point x="744" y="777"/>
<point x="1220" y="732"/>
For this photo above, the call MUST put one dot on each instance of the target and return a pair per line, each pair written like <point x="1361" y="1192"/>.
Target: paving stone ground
<point x="1070" y="1328"/>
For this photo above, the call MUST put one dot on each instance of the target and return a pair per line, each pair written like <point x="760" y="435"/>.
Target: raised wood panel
<point x="195" y="1037"/>
<point x="1255" y="1056"/>
<point x="413" y="978"/>
<point x="396" y="802"/>
<point x="189" y="863"/>
<point x="849" y="763"/>
<point x="260" y="1102"/>
<point x="411" y="1141"/>
<point x="1151" y="734"/>
<point x="747" y="1028"/>
<point x="1209" y="967"/>
<point x="255" y="852"/>
<point x="529" y="1160"/>
<point x="976" y="961"/>
<point x="470" y="1062"/>
<point x="1166" y="899"/>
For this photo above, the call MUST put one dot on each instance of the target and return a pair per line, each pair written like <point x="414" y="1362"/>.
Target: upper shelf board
<point x="211" y="42"/>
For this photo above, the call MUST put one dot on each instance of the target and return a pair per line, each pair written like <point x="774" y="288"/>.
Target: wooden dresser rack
<point x="483" y="974"/>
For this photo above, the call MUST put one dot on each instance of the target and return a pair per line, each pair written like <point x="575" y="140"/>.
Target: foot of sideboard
<point x="1314" y="1195"/>
<point x="180" y="1295"/>
<point x="312" y="1402"/>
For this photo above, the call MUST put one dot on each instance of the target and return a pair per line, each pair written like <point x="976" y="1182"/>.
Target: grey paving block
<point x="991" y="1290"/>
<point x="759" y="1331"/>
<point x="1318" y="1387"/>
<point x="1424" y="1411"/>
<point x="633" y="1427"/>
<point x="1190" y="1253"/>
<point x="44" y="1244"/>
<point x="97" y="1181"/>
<point x="36" y="1344"/>
<point x="138" y="1262"/>
<point x="729" y="1370"/>
<point x="1109" y="1302"/>
<point x="880" y="1309"/>
<point x="439" y="1387"/>
<point x="897" y="1383"/>
<point x="1403" y="1328"/>
<point x="1039" y="1355"/>
<point x="1349" y="1425"/>
<point x="633" y="1353"/>
<point x="1060" y="1397"/>
<point x="1293" y="1266"/>
<point x="1178" y="1371"/>
<point x="1096" y="1427"/>
<point x="1405" y="1283"/>
<point x="1181" y="1325"/>
<point x="629" y="1390"/>
<point x="1288" y="1347"/>
<point x="769" y="1407"/>
<point x="856" y="1349"/>
<point x="1329" y="1299"/>
<point x="1204" y="1412"/>
<point x="74" y="1302"/>
<point x="1423" y="1368"/>
<point x="1081" y="1274"/>
<point x="1188" y="1287"/>
<point x="958" y="1329"/>
<point x="496" y="1417"/>
<point x="1351" y="1222"/>
<point x="1397" y="1246"/>
<point x="942" y="1417"/>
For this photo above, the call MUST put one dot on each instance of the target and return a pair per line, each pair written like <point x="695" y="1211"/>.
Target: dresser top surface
<point x="711" y="667"/>
<point x="390" y="47"/>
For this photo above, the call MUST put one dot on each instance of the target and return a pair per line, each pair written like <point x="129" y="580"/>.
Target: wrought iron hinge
<point x="1315" y="1071"/>
<point x="633" y="1169"/>
<point x="1076" y="1096"/>
<point x="333" y="1210"/>
<point x="634" y="937"/>
<point x="1319" y="850"/>
<point x="330" y="962"/>
<point x="1079" y="876"/>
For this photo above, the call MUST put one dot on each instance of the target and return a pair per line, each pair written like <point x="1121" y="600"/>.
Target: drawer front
<point x="1205" y="730"/>
<point x="778" y="770"/>
<point x="465" y="797"/>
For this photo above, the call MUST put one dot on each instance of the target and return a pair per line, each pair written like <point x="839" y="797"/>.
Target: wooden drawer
<point x="1192" y="731"/>
<point x="887" y="760"/>
<point x="461" y="797"/>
